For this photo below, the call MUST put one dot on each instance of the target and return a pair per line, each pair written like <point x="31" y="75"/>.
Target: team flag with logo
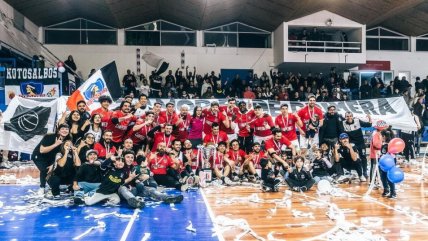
<point x="25" y="122"/>
<point x="98" y="84"/>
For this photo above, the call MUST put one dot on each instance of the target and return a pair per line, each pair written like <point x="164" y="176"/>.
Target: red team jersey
<point x="105" y="116"/>
<point x="161" y="137"/>
<point x="119" y="129"/>
<point x="256" y="159"/>
<point x="229" y="112"/>
<point x="159" y="164"/>
<point x="181" y="132"/>
<point x="140" y="135"/>
<point x="217" y="160"/>
<point x="277" y="145"/>
<point x="215" y="139"/>
<point x="259" y="126"/>
<point x="211" y="118"/>
<point x="237" y="156"/>
<point x="287" y="125"/>
<point x="305" y="114"/>
<point x="102" y="150"/>
<point x="242" y="120"/>
<point x="167" y="118"/>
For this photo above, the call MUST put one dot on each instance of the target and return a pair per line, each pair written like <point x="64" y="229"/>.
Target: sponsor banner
<point x="392" y="110"/>
<point x="25" y="122"/>
<point x="31" y="82"/>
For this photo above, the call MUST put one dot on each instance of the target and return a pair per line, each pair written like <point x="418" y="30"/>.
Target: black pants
<point x="352" y="165"/>
<point x="409" y="149"/>
<point x="363" y="158"/>
<point x="42" y="165"/>
<point x="294" y="183"/>
<point x="55" y="181"/>
<point x="387" y="184"/>
<point x="246" y="143"/>
<point x="167" y="181"/>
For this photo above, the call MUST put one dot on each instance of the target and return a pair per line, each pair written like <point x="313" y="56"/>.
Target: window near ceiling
<point x="422" y="43"/>
<point x="380" y="38"/>
<point x="160" y="33"/>
<point x="80" y="31"/>
<point x="237" y="35"/>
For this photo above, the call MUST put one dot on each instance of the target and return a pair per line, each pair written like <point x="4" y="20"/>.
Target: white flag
<point x="25" y="122"/>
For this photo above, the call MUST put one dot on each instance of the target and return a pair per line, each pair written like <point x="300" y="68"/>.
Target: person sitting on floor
<point x="298" y="178"/>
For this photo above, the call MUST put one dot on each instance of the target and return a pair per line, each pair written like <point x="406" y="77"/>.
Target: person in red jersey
<point x="182" y="130"/>
<point x="213" y="115"/>
<point x="139" y="131"/>
<point x="262" y="125"/>
<point x="104" y="147"/>
<point x="222" y="166"/>
<point x="255" y="156"/>
<point x="141" y="106"/>
<point x="104" y="111"/>
<point x="158" y="136"/>
<point x="120" y="122"/>
<point x="243" y="119"/>
<point x="306" y="114"/>
<point x="287" y="122"/>
<point x="230" y="111"/>
<point x="169" y="116"/>
<point x="157" y="107"/>
<point x="159" y="162"/>
<point x="237" y="155"/>
<point x="275" y="147"/>
<point x="216" y="136"/>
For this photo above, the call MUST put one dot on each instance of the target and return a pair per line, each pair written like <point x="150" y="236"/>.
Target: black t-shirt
<point x="112" y="181"/>
<point x="49" y="157"/>
<point x="68" y="170"/>
<point x="300" y="176"/>
<point x="89" y="173"/>
<point x="319" y="168"/>
<point x="345" y="153"/>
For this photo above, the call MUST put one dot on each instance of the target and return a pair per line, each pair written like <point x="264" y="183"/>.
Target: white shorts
<point x="260" y="139"/>
<point x="232" y="137"/>
<point x="304" y="142"/>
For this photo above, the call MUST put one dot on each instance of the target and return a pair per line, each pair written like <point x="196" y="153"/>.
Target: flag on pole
<point x="25" y="122"/>
<point x="98" y="84"/>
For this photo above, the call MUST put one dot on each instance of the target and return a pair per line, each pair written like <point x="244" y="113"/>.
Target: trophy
<point x="205" y="153"/>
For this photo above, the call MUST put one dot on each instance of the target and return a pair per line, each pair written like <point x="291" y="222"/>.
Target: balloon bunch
<point x="387" y="161"/>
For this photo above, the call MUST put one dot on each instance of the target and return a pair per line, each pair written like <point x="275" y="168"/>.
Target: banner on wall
<point x="31" y="82"/>
<point x="392" y="110"/>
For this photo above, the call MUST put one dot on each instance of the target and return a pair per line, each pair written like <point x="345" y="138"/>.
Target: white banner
<point x="25" y="122"/>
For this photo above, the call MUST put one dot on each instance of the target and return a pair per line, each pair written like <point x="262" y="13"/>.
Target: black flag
<point x="28" y="123"/>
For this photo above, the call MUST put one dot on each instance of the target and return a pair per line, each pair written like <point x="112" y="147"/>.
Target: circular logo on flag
<point x="94" y="90"/>
<point x="28" y="121"/>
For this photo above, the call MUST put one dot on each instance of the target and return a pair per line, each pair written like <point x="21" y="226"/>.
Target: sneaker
<point x="235" y="178"/>
<point x="41" y="191"/>
<point x="52" y="197"/>
<point x="392" y="196"/>
<point x="174" y="199"/>
<point x="6" y="165"/>
<point x="227" y="181"/>
<point x="190" y="181"/>
<point x="296" y="189"/>
<point x="135" y="203"/>
<point x="266" y="188"/>
<point x="363" y="179"/>
<point x="303" y="189"/>
<point x="385" y="193"/>
<point x="244" y="179"/>
<point x="343" y="179"/>
<point x="78" y="201"/>
<point x="184" y="187"/>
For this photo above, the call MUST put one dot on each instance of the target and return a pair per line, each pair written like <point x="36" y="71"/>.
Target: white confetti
<point x="101" y="225"/>
<point x="190" y="227"/>
<point x="51" y="225"/>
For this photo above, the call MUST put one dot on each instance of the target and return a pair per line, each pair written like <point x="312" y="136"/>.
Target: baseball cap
<point x="343" y="136"/>
<point x="64" y="125"/>
<point x="90" y="151"/>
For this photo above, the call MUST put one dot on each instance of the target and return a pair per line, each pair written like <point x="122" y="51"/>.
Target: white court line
<point x="129" y="226"/>
<point x="210" y="212"/>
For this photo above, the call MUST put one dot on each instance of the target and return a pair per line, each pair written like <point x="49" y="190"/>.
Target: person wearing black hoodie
<point x="330" y="130"/>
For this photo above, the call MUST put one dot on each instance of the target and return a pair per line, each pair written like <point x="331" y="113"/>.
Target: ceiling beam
<point x="401" y="7"/>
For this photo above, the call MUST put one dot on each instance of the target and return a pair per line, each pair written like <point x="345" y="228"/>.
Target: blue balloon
<point x="386" y="162"/>
<point x="395" y="175"/>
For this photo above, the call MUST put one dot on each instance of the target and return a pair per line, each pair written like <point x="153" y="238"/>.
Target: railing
<point x="324" y="46"/>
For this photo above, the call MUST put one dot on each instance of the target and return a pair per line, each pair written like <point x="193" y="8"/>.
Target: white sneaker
<point x="363" y="179"/>
<point x="6" y="164"/>
<point x="227" y="181"/>
<point x="41" y="191"/>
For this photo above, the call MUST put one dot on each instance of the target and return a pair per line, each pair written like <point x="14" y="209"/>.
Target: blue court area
<point x="22" y="220"/>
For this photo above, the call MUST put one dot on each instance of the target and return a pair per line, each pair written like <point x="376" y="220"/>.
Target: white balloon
<point x="61" y="69"/>
<point x="324" y="187"/>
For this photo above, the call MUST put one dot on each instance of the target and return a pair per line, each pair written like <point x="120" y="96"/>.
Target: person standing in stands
<point x="45" y="152"/>
<point x="129" y="82"/>
<point x="352" y="126"/>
